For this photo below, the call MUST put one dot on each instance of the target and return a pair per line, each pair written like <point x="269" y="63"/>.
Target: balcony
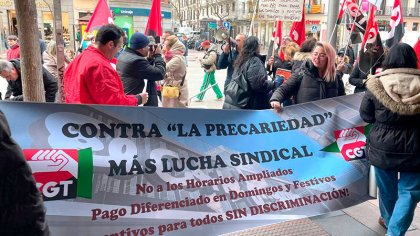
<point x="407" y="12"/>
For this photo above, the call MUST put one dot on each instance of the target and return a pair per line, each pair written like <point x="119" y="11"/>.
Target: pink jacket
<point x="13" y="52"/>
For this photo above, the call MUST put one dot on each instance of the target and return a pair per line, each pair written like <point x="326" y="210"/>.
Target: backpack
<point x="215" y="63"/>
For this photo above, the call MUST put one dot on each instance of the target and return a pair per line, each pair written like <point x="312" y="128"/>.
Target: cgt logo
<point x="55" y="172"/>
<point x="351" y="143"/>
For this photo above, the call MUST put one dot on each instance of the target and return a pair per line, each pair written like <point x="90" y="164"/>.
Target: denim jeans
<point x="398" y="199"/>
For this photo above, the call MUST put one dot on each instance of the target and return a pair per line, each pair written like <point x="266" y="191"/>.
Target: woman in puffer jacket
<point x="392" y="105"/>
<point x="316" y="79"/>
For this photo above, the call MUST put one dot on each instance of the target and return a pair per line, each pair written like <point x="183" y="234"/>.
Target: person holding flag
<point x="371" y="55"/>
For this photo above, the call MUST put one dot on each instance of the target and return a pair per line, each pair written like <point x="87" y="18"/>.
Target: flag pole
<point x="253" y="19"/>
<point x="275" y="40"/>
<point x="352" y="25"/>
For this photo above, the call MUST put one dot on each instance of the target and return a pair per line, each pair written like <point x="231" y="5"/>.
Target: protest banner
<point x="283" y="10"/>
<point x="112" y="170"/>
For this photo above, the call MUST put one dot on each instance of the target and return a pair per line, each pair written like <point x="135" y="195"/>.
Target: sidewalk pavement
<point x="359" y="220"/>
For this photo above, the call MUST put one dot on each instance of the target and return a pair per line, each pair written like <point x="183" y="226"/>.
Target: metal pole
<point x="333" y="9"/>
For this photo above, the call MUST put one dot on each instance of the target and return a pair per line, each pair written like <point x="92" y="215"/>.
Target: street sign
<point x="212" y="25"/>
<point x="226" y="24"/>
<point x="314" y="29"/>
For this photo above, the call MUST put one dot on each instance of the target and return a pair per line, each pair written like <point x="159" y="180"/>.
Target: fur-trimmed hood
<point x="301" y="56"/>
<point x="397" y="89"/>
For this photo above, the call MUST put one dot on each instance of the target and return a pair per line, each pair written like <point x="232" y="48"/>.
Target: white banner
<point x="284" y="10"/>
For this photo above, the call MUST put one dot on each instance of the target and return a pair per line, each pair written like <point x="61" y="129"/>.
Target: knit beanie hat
<point x="138" y="40"/>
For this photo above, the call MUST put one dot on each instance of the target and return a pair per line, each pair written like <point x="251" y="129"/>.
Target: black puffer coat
<point x="258" y="83"/>
<point x="134" y="69"/>
<point x="394" y="140"/>
<point x="306" y="85"/>
<point x="21" y="206"/>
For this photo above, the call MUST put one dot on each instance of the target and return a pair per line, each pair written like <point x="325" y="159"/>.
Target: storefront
<point x="135" y="19"/>
<point x="44" y="18"/>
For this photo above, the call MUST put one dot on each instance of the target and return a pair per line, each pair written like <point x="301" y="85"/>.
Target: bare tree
<point x="31" y="67"/>
<point x="176" y="6"/>
<point x="216" y="6"/>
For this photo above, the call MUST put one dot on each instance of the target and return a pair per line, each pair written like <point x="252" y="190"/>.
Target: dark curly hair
<point x="249" y="50"/>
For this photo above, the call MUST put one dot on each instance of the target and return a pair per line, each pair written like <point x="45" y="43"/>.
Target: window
<point x="243" y="8"/>
<point x="415" y="26"/>
<point x="227" y="8"/>
<point x="250" y="7"/>
<point x="233" y="6"/>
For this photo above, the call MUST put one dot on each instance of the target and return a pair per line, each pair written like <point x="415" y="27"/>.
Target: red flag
<point x="341" y="12"/>
<point x="297" y="32"/>
<point x="417" y="50"/>
<point x="154" y="23"/>
<point x="372" y="31"/>
<point x="371" y="53"/>
<point x="277" y="33"/>
<point x="101" y="16"/>
<point x="396" y="23"/>
<point x="357" y="24"/>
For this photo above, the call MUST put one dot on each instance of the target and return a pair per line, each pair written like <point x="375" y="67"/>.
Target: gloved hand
<point x="278" y="81"/>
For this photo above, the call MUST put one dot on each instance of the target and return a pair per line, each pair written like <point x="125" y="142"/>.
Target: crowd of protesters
<point x="146" y="72"/>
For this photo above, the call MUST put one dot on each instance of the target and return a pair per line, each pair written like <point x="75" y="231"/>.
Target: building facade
<point x="197" y="14"/>
<point x="131" y="15"/>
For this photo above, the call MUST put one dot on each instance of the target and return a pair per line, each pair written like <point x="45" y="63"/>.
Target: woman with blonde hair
<point x="291" y="49"/>
<point x="175" y="72"/>
<point x="50" y="59"/>
<point x="69" y="54"/>
<point x="316" y="79"/>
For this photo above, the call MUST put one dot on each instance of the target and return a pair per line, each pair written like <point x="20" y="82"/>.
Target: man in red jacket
<point x="90" y="78"/>
<point x="14" y="48"/>
<point x="417" y="50"/>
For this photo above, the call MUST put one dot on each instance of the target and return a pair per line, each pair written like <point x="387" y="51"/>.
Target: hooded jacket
<point x="21" y="207"/>
<point x="392" y="105"/>
<point x="176" y="69"/>
<point x="15" y="87"/>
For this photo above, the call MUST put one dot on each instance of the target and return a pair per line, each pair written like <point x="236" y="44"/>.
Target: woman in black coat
<point x="21" y="206"/>
<point x="316" y="79"/>
<point x="257" y="84"/>
<point x="392" y="105"/>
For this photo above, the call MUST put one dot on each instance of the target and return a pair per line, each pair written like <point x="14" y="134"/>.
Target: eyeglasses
<point x="320" y="55"/>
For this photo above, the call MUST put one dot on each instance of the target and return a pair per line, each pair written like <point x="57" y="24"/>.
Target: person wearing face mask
<point x="141" y="62"/>
<point x="316" y="79"/>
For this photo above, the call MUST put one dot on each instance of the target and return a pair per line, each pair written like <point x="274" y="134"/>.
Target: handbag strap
<point x="183" y="79"/>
